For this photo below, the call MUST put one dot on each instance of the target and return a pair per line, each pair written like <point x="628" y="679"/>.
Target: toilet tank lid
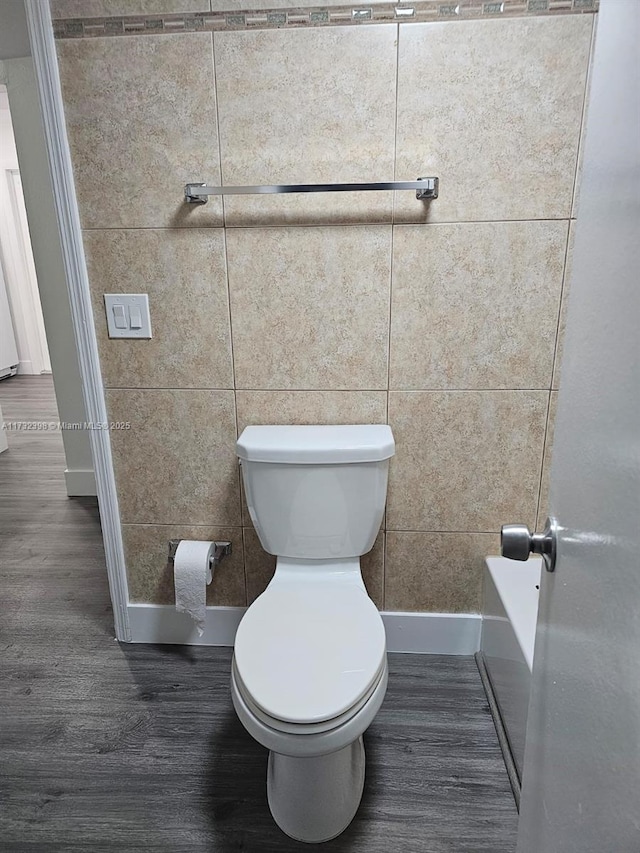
<point x="316" y="445"/>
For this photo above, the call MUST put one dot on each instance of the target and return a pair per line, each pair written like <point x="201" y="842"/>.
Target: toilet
<point x="309" y="670"/>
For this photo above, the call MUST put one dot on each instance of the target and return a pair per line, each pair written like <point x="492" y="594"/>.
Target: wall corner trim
<point x="419" y="633"/>
<point x="45" y="62"/>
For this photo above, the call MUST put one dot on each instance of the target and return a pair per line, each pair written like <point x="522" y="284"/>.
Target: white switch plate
<point x="128" y="301"/>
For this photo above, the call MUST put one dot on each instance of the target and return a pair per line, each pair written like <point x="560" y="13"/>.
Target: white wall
<point x="16" y="256"/>
<point x="18" y="76"/>
<point x="14" y="36"/>
<point x="8" y="155"/>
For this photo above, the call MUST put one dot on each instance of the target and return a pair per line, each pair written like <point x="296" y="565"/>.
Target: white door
<point x="581" y="783"/>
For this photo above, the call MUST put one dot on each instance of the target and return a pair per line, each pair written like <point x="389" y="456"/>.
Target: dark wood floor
<point x="108" y="747"/>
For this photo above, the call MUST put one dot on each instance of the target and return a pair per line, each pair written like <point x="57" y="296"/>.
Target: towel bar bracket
<point x="430" y="191"/>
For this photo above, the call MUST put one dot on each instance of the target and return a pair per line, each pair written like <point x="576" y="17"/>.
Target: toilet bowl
<point x="309" y="670"/>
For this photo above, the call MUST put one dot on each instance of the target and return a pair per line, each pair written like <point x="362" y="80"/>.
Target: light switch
<point x="128" y="315"/>
<point x="135" y="317"/>
<point x="119" y="317"/>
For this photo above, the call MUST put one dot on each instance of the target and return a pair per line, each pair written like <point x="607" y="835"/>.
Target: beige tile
<point x="141" y="119"/>
<point x="310" y="307"/>
<point x="463" y="299"/>
<point x="436" y="572"/>
<point x="183" y="271"/>
<point x="545" y="480"/>
<point x="465" y="460"/>
<point x="307" y="106"/>
<point x="562" y="323"/>
<point x="150" y="575"/>
<point x="107" y="8"/>
<point x="260" y="567"/>
<point x="493" y="109"/>
<point x="177" y="463"/>
<point x="310" y="407"/>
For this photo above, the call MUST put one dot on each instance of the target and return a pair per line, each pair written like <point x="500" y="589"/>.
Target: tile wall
<point x="75" y="10"/>
<point x="444" y="320"/>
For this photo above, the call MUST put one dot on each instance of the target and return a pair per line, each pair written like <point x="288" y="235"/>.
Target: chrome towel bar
<point x="426" y="188"/>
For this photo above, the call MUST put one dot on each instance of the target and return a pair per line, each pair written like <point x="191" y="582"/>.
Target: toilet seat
<point x="315" y="743"/>
<point x="304" y="728"/>
<point x="309" y="652"/>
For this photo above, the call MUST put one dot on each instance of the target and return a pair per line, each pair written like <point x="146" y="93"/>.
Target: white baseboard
<point x="81" y="482"/>
<point x="161" y="623"/>
<point x="433" y="633"/>
<point x="421" y="633"/>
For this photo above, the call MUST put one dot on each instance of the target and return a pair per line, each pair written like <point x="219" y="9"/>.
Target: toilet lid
<point x="308" y="652"/>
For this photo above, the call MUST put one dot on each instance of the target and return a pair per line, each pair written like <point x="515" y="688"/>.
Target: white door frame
<point x="45" y="63"/>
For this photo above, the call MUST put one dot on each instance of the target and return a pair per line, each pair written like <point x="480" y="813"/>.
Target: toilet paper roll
<point x="191" y="574"/>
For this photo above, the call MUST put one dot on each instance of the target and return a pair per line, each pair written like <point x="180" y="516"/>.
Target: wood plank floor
<point x="109" y="747"/>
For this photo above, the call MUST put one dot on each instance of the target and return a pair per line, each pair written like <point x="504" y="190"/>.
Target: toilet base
<point x="315" y="799"/>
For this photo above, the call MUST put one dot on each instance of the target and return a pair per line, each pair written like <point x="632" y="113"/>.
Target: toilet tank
<point x="316" y="492"/>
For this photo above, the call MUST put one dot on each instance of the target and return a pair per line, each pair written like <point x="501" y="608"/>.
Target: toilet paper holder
<point x="220" y="551"/>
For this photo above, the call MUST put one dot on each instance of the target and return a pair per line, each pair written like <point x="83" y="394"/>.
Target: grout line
<point x="166" y="388"/>
<point x="463" y="390"/>
<point x="583" y="115"/>
<point x="393" y="202"/>
<point x="563" y="292"/>
<point x="384" y="563"/>
<point x="541" y="469"/>
<point x="331" y="224"/>
<point x="389" y="330"/>
<point x="395" y="126"/>
<point x="564" y="287"/>
<point x="425" y="206"/>
<point x="383" y="530"/>
<point x="218" y="138"/>
<point x="446" y="532"/>
<point x="334" y="390"/>
<point x="244" y="568"/>
<point x="229" y="315"/>
<point x="224" y="231"/>
<point x="182" y="524"/>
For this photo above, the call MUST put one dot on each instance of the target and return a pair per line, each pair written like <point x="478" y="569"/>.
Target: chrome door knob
<point x="517" y="542"/>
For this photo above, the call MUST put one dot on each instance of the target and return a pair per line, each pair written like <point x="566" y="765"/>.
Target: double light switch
<point x="128" y="315"/>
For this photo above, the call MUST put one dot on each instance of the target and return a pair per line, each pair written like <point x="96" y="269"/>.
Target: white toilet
<point x="310" y="667"/>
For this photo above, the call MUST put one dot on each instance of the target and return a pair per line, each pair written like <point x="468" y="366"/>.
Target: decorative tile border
<point x="404" y="12"/>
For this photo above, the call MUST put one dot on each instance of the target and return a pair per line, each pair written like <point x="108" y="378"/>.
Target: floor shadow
<point x="145" y="659"/>
<point x="184" y="694"/>
<point x="237" y="795"/>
